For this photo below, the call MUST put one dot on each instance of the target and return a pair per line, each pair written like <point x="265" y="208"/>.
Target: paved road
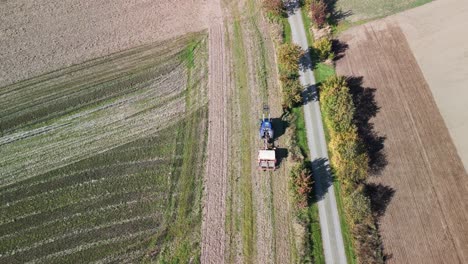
<point x="329" y="220"/>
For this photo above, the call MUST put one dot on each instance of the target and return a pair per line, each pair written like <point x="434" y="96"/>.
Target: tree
<point x="274" y="8"/>
<point x="301" y="183"/>
<point x="323" y="48"/>
<point x="357" y="208"/>
<point x="349" y="158"/>
<point x="337" y="104"/>
<point x="291" y="88"/>
<point x="288" y="58"/>
<point x="318" y="11"/>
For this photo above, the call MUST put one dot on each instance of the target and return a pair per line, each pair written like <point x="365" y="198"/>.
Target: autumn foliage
<point x="274" y="7"/>
<point x="318" y="12"/>
<point x="350" y="163"/>
<point x="323" y="49"/>
<point x="288" y="58"/>
<point x="301" y="184"/>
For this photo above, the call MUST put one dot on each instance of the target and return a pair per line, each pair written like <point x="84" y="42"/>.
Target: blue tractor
<point x="266" y="127"/>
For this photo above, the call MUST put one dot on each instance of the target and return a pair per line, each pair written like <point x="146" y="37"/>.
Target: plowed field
<point x="426" y="220"/>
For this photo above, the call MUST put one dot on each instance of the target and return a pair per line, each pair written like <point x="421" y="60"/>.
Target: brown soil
<point x="215" y="184"/>
<point x="41" y="36"/>
<point x="426" y="220"/>
<point x="214" y="213"/>
<point x="433" y="33"/>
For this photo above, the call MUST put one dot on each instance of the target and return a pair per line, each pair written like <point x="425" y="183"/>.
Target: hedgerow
<point x="350" y="161"/>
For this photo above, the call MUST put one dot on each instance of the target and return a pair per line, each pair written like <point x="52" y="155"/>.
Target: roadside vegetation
<point x="301" y="178"/>
<point x="105" y="163"/>
<point x="348" y="153"/>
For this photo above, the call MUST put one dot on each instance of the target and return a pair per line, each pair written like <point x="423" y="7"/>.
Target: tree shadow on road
<point x="291" y="5"/>
<point x="323" y="179"/>
<point x="309" y="60"/>
<point x="310" y="94"/>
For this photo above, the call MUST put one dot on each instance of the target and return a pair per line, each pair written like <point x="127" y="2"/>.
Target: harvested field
<point x="356" y="10"/>
<point x="260" y="221"/>
<point x="103" y="161"/>
<point x="215" y="184"/>
<point x="426" y="220"/>
<point x="42" y="36"/>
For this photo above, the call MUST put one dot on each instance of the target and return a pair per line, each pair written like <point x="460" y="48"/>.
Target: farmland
<point x="423" y="182"/>
<point x="42" y="36"/>
<point x="259" y="219"/>
<point x="355" y="10"/>
<point x="441" y="53"/>
<point x="104" y="160"/>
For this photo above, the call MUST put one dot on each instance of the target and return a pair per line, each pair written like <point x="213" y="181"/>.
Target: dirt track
<point x="426" y="220"/>
<point x="41" y="36"/>
<point x="214" y="213"/>
<point x="215" y="183"/>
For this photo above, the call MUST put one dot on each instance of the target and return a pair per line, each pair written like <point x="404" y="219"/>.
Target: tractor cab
<point x="266" y="129"/>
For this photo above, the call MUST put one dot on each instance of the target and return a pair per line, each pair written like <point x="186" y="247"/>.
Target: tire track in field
<point x="81" y="231"/>
<point x="214" y="204"/>
<point x="46" y="259"/>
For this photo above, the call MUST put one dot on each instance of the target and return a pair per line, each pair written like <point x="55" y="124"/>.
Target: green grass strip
<point x="247" y="216"/>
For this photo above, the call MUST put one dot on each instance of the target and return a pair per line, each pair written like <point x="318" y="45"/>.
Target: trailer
<point x="267" y="159"/>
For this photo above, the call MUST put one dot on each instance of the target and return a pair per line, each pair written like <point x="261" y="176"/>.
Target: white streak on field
<point x="72" y="188"/>
<point x="95" y="131"/>
<point x="78" y="172"/>
<point x="78" y="232"/>
<point x="70" y="217"/>
<point x="87" y="200"/>
<point x="93" y="244"/>
<point x="125" y="257"/>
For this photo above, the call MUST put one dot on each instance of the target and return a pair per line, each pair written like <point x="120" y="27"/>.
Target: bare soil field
<point x="426" y="220"/>
<point x="434" y="34"/>
<point x="41" y="36"/>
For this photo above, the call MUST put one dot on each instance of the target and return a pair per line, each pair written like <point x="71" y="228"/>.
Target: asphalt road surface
<point x="329" y="219"/>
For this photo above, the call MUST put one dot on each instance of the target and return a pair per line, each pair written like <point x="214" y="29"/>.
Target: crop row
<point x="113" y="180"/>
<point x="148" y="199"/>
